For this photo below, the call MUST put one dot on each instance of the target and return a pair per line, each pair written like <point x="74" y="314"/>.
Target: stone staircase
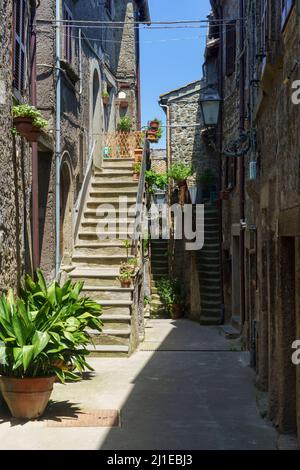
<point x="159" y="270"/>
<point x="96" y="260"/>
<point x="209" y="269"/>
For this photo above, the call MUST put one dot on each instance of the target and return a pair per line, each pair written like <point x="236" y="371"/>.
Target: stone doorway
<point x="66" y="207"/>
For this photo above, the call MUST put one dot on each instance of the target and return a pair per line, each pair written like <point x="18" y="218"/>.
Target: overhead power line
<point x="143" y="23"/>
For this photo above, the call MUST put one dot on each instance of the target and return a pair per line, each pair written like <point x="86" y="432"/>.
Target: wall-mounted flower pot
<point x="26" y="398"/>
<point x="105" y="100"/>
<point x="224" y="195"/>
<point x="123" y="104"/>
<point x="154" y="125"/>
<point x="25" y="127"/>
<point x="138" y="155"/>
<point x="152" y="137"/>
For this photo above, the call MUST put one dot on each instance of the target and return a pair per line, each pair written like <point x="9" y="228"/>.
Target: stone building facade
<point x="261" y="217"/>
<point x="15" y="167"/>
<point x="186" y="144"/>
<point x="92" y="60"/>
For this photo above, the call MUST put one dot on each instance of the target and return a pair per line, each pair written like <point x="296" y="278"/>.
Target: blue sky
<point x="173" y="63"/>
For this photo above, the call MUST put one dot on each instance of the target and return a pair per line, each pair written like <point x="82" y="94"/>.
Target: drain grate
<point x="87" y="419"/>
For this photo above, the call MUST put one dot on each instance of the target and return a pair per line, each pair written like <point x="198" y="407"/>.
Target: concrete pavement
<point x="184" y="389"/>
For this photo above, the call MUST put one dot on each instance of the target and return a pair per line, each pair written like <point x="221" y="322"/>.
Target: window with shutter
<point x="286" y="8"/>
<point x="68" y="43"/>
<point x="230" y="47"/>
<point x="20" y="37"/>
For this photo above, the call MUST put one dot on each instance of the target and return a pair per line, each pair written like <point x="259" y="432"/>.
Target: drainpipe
<point x="242" y="163"/>
<point x="80" y="61"/>
<point x="34" y="147"/>
<point x="169" y="163"/>
<point x="57" y="138"/>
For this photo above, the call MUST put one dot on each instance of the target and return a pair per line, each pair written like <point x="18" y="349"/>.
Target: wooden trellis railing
<point x="122" y="144"/>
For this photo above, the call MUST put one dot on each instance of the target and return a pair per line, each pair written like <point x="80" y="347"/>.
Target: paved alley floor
<point x="184" y="389"/>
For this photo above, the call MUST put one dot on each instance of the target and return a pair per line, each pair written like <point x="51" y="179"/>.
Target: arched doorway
<point x="97" y="117"/>
<point x="66" y="207"/>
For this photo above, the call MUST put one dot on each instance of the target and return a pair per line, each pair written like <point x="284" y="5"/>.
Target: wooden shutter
<point x="20" y="22"/>
<point x="230" y="47"/>
<point x="68" y="35"/>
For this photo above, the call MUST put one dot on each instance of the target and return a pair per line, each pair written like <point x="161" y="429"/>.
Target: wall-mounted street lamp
<point x="210" y="103"/>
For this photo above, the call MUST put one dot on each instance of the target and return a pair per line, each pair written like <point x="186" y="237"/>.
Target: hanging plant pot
<point x="26" y="398"/>
<point x="154" y="125"/>
<point x="105" y="100"/>
<point x="152" y="137"/>
<point x="26" y="129"/>
<point x="224" y="195"/>
<point x="123" y="104"/>
<point x="138" y="154"/>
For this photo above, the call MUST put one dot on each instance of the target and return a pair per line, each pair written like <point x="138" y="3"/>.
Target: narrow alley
<point x="185" y="388"/>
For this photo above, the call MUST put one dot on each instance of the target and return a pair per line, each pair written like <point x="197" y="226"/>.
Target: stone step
<point x="105" y="194"/>
<point x="114" y="185"/>
<point x="112" y="172"/>
<point x="107" y="293"/>
<point x="110" y="226"/>
<point x="103" y="236"/>
<point x="108" y="350"/>
<point x="102" y="277"/>
<point x="111" y="213"/>
<point x="110" y="176"/>
<point x="100" y="249"/>
<point x="122" y="330"/>
<point x="113" y="201"/>
<point x="99" y="261"/>
<point x="209" y="321"/>
<point x="210" y="304"/>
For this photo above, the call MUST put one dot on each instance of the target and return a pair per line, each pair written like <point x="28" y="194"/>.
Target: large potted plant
<point x="28" y="121"/>
<point x="136" y="171"/>
<point x="155" y="181"/>
<point x="169" y="291"/>
<point x="124" y="125"/>
<point x="43" y="336"/>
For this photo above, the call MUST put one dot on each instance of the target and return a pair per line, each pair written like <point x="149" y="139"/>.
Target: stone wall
<point x="15" y="171"/>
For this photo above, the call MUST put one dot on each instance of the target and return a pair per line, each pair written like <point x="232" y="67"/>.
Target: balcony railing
<point x="122" y="144"/>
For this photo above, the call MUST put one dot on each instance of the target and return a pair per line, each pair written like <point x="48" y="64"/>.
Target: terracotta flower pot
<point x="123" y="104"/>
<point x="224" y="195"/>
<point x="126" y="284"/>
<point x="26" y="398"/>
<point x="105" y="100"/>
<point x="180" y="184"/>
<point x="176" y="312"/>
<point x="27" y="130"/>
<point x="154" y="125"/>
<point x="136" y="176"/>
<point x="152" y="137"/>
<point x="138" y="154"/>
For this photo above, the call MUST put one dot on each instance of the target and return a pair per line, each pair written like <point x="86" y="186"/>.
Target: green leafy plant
<point x="137" y="168"/>
<point x="169" y="291"/>
<point x="147" y="300"/>
<point x="43" y="332"/>
<point x="155" y="180"/>
<point x="124" y="124"/>
<point x="105" y="94"/>
<point x="180" y="172"/>
<point x="25" y="110"/>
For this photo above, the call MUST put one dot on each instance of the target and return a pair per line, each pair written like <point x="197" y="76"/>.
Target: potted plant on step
<point x="127" y="269"/>
<point x="28" y="121"/>
<point x="169" y="291"/>
<point x="136" y="171"/>
<point x="105" y="98"/>
<point x="43" y="336"/>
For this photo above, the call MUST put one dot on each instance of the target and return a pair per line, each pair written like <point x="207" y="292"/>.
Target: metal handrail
<point x="139" y="200"/>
